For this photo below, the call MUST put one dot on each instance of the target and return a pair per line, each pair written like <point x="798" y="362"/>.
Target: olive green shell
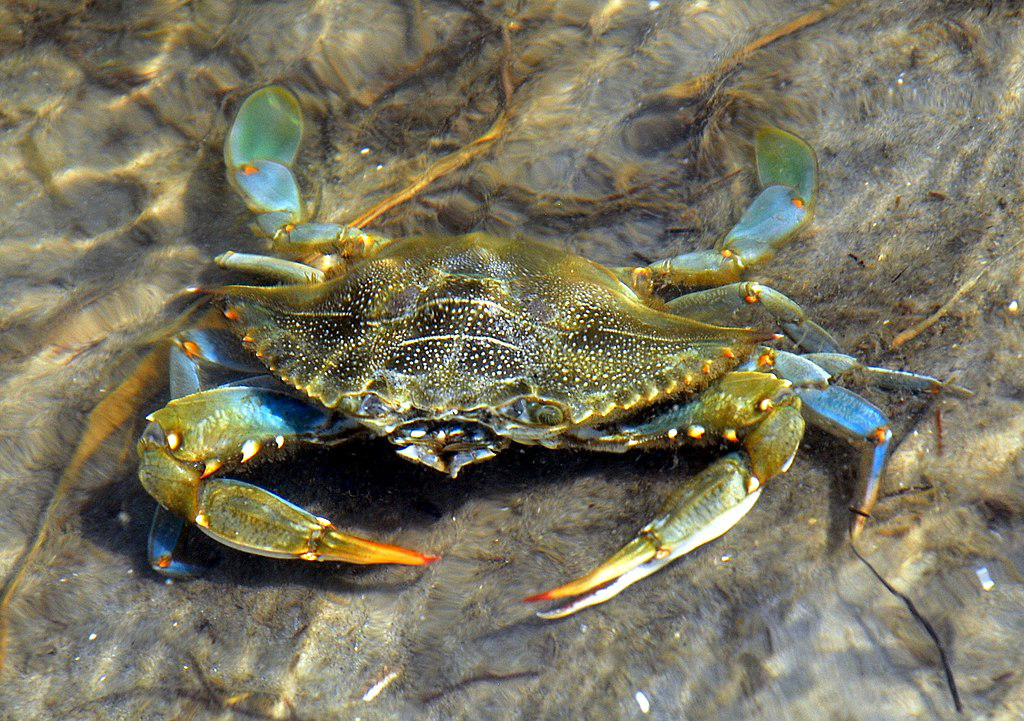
<point x="445" y="326"/>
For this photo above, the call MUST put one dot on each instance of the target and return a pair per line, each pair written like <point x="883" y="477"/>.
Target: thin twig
<point x="916" y="330"/>
<point x="439" y="169"/>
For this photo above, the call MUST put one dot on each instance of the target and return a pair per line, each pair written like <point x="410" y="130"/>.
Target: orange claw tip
<point x="633" y="554"/>
<point x="383" y="553"/>
<point x="574" y="588"/>
<point x="592" y="580"/>
<point x="546" y="596"/>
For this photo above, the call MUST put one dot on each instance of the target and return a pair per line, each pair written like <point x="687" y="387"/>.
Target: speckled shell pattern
<point x="446" y="326"/>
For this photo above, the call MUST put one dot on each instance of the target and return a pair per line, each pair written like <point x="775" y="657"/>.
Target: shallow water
<point x="113" y="198"/>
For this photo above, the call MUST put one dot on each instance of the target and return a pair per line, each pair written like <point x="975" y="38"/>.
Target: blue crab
<point x="455" y="348"/>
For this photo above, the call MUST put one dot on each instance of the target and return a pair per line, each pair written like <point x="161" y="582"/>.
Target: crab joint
<point x="231" y="314"/>
<point x="695" y="431"/>
<point x="729" y="434"/>
<point x="881" y="435"/>
<point x="765" y="404"/>
<point x="641" y="280"/>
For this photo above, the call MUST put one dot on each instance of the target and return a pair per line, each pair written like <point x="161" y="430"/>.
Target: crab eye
<point x="548" y="415"/>
<point x="536" y="413"/>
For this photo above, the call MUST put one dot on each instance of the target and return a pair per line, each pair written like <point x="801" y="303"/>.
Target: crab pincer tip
<point x="404" y="557"/>
<point x="546" y="596"/>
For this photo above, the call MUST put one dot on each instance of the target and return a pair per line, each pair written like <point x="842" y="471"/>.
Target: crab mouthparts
<point x="446" y="447"/>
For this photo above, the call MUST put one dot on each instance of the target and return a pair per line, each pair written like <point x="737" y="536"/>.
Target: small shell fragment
<point x="375" y="690"/>
<point x="984" y="578"/>
<point x="643" y="702"/>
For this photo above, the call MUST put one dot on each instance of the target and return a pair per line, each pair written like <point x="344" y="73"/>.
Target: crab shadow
<point x="362" y="486"/>
<point x="366" y="489"/>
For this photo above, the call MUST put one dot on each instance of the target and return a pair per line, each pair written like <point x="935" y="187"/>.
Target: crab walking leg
<point x="787" y="171"/>
<point x="259" y="153"/>
<point x="193" y="437"/>
<point x="769" y="418"/>
<point x="846" y="415"/>
<point x="286" y="271"/>
<point x="714" y="304"/>
<point x="167" y="533"/>
<point x="839" y="364"/>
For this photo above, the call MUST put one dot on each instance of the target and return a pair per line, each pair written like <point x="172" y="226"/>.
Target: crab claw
<point x="337" y="546"/>
<point x="699" y="512"/>
<point x="633" y="555"/>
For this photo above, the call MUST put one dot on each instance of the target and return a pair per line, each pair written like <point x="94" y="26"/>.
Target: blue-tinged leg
<point x="846" y="415"/>
<point x="167" y="532"/>
<point x="166" y="538"/>
<point x="718" y="305"/>
<point x="787" y="171"/>
<point x="259" y="152"/>
<point x="839" y="364"/>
